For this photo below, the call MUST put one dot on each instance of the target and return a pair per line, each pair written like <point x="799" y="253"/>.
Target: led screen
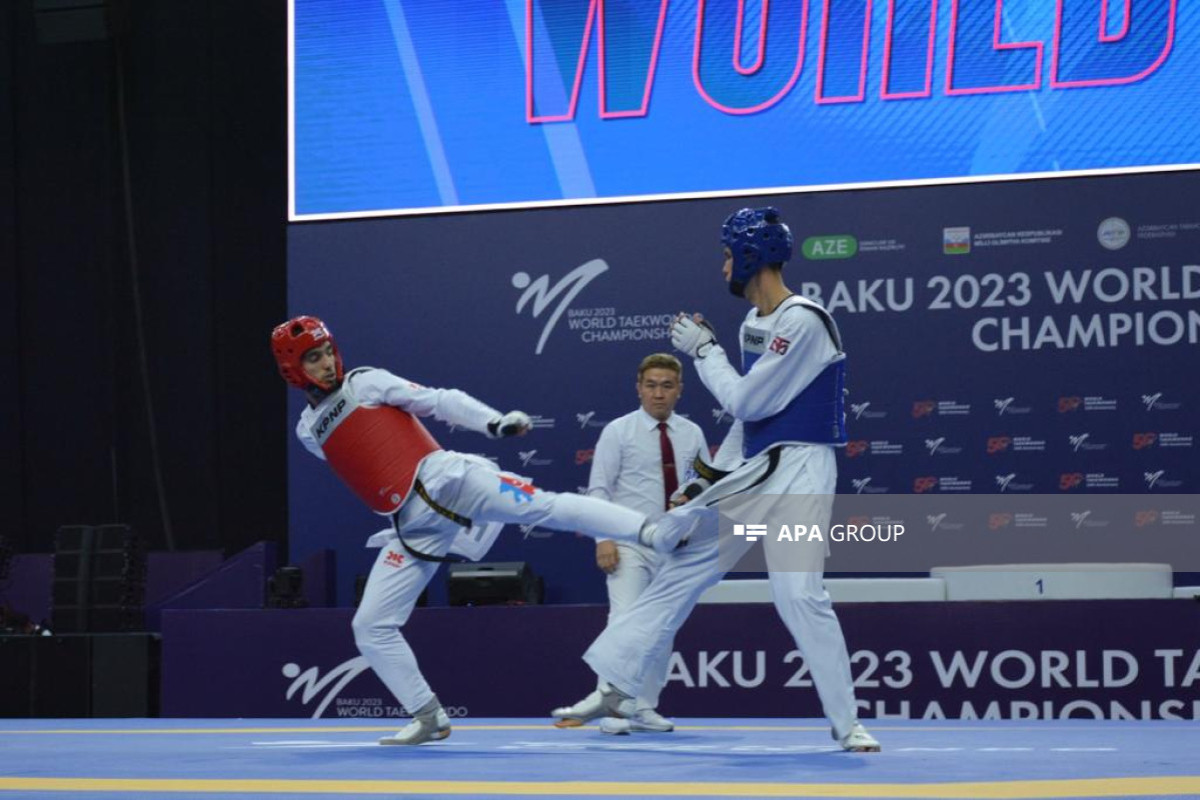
<point x="411" y="106"/>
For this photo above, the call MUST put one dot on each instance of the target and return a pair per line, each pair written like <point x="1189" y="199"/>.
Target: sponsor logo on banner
<point x="1069" y="404"/>
<point x="818" y="248"/>
<point x="1082" y="441"/>
<point x="1016" y="238"/>
<point x="856" y="448"/>
<point x="1143" y="440"/>
<point x="540" y="422"/>
<point x="1154" y="402"/>
<point x="924" y="483"/>
<point x="1158" y="479"/>
<point x="864" y="486"/>
<point x="938" y="447"/>
<point x="998" y="520"/>
<point x="584" y="456"/>
<point x="588" y="420"/>
<point x="944" y="408"/>
<point x="534" y="532"/>
<point x="864" y="411"/>
<point x="1143" y="518"/>
<point x="939" y="522"/>
<point x="1089" y="403"/>
<point x="1165" y="230"/>
<point x="1069" y="480"/>
<point x="1027" y="444"/>
<point x="998" y="444"/>
<point x="1171" y="439"/>
<point x="1085" y="519"/>
<point x="1101" y="480"/>
<point x="881" y="246"/>
<point x="529" y="459"/>
<point x="1005" y="405"/>
<point x="885" y="447"/>
<point x="1020" y="519"/>
<point x="956" y="241"/>
<point x="1113" y="233"/>
<point x="1009" y="483"/>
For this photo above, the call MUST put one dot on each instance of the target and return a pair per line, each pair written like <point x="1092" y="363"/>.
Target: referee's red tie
<point x="670" y="480"/>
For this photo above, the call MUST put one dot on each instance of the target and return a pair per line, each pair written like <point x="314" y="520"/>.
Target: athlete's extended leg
<point x="488" y="496"/>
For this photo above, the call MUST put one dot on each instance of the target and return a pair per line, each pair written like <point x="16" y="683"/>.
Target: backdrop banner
<point x="1019" y="337"/>
<point x="1019" y="660"/>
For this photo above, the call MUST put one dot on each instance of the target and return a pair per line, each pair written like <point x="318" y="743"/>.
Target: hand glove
<point x="514" y="423"/>
<point x="694" y="338"/>
<point x="688" y="492"/>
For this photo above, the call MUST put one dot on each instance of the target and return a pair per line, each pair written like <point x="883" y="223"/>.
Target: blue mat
<point x="333" y="759"/>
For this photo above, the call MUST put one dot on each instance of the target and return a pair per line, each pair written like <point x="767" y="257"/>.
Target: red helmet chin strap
<point x="291" y="340"/>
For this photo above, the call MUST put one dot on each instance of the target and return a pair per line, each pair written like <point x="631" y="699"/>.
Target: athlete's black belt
<point x="419" y="488"/>
<point x="772" y="463"/>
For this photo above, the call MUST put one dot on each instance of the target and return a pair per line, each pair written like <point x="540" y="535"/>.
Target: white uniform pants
<point x="473" y="488"/>
<point x="623" y="653"/>
<point x="636" y="567"/>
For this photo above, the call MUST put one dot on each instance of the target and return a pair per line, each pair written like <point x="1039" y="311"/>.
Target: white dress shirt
<point x="627" y="464"/>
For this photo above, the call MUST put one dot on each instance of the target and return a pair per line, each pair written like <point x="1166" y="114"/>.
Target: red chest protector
<point x="374" y="450"/>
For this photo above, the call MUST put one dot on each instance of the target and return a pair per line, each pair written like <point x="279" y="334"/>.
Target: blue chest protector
<point x="816" y="415"/>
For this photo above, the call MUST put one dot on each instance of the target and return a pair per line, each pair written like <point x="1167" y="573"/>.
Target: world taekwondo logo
<point x="859" y="484"/>
<point x="863" y="411"/>
<point x="542" y="294"/>
<point x="310" y="684"/>
<point x="529" y="459"/>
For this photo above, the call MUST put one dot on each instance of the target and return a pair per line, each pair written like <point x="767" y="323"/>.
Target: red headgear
<point x="291" y="340"/>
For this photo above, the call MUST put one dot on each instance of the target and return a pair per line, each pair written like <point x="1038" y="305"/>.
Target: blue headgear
<point x="755" y="237"/>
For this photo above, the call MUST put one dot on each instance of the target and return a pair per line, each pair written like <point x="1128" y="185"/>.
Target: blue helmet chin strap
<point x="755" y="237"/>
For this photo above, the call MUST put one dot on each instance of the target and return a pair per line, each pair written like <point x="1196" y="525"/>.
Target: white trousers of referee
<point x="623" y="653"/>
<point x="636" y="567"/>
<point x="471" y="487"/>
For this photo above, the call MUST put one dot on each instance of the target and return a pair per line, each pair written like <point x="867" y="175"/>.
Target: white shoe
<point x="596" y="705"/>
<point x="582" y="712"/>
<point x="646" y="720"/>
<point x="425" y="728"/>
<point x="858" y="740"/>
<point x="649" y="720"/>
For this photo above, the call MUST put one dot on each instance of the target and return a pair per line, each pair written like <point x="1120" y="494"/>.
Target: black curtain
<point x="143" y="390"/>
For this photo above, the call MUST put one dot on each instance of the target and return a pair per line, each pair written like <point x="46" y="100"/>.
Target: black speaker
<point x="16" y="676"/>
<point x="99" y="579"/>
<point x="62" y="675"/>
<point x="125" y="674"/>
<point x="498" y="583"/>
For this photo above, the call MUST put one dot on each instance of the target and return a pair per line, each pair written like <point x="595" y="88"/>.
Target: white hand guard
<point x="514" y="423"/>
<point x="691" y="337"/>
